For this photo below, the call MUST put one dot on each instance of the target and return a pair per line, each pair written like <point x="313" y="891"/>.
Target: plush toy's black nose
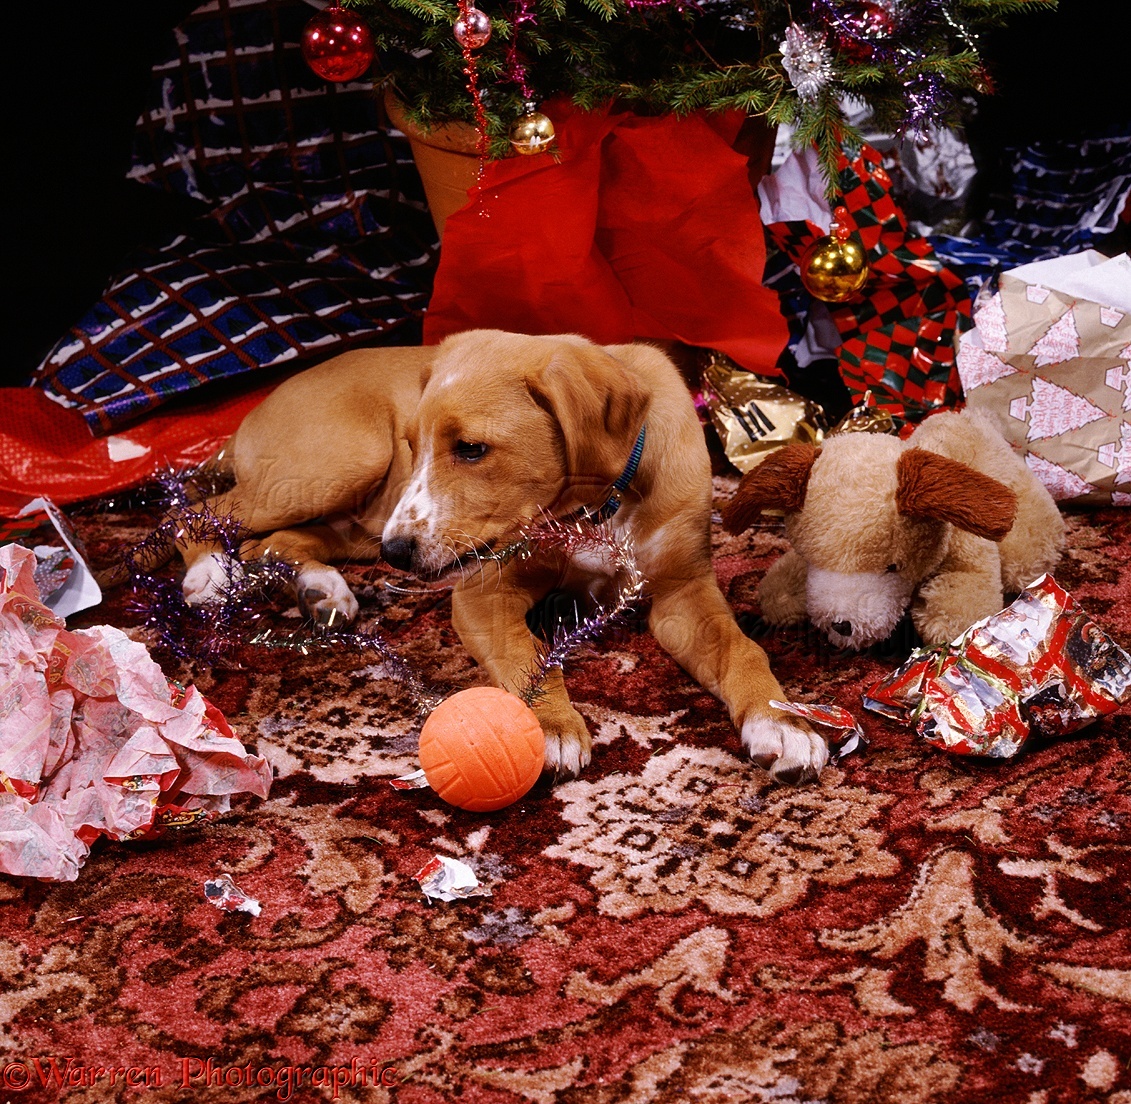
<point x="398" y="551"/>
<point x="843" y="628"/>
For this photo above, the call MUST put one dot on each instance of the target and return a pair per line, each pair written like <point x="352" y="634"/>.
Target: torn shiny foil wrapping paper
<point x="866" y="417"/>
<point x="1041" y="665"/>
<point x="228" y="897"/>
<point x="754" y="415"/>
<point x="64" y="581"/>
<point x="846" y="735"/>
<point x="446" y="879"/>
<point x="969" y="712"/>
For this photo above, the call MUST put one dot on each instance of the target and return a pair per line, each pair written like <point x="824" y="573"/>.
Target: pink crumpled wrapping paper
<point x="95" y="741"/>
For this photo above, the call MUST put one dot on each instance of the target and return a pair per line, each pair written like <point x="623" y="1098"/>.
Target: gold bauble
<point x="834" y="270"/>
<point x="531" y="132"/>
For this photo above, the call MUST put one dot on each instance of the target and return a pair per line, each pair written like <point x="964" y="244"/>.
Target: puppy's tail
<point x="152" y="554"/>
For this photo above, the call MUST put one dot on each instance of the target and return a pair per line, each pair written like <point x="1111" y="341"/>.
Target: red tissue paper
<point x="48" y="450"/>
<point x="95" y="741"/>
<point x="639" y="227"/>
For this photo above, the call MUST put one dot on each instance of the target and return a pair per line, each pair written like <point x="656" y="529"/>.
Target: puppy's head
<point x="871" y="518"/>
<point x="509" y="427"/>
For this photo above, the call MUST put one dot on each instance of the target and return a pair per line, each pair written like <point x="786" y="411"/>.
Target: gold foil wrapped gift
<point x="754" y="415"/>
<point x="865" y="417"/>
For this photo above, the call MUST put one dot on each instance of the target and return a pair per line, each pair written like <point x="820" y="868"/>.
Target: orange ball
<point x="482" y="749"/>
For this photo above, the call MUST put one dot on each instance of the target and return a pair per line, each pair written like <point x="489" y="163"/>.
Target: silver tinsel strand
<point x="570" y="537"/>
<point x="807" y="61"/>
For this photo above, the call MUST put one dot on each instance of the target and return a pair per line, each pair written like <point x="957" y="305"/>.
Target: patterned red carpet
<point x="670" y="927"/>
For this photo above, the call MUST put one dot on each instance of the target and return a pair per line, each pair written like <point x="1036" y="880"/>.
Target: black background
<point x="77" y="76"/>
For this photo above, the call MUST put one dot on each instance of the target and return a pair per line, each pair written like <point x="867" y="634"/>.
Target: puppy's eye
<point x="469" y="450"/>
<point x="892" y="567"/>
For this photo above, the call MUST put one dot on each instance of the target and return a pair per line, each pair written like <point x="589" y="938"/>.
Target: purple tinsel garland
<point x="926" y="94"/>
<point x="208" y="633"/>
<point x="569" y="537"/>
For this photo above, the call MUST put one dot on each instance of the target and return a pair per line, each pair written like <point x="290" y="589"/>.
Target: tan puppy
<point x="441" y="454"/>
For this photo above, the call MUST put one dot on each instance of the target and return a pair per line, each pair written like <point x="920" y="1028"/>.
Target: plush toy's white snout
<point x="859" y="609"/>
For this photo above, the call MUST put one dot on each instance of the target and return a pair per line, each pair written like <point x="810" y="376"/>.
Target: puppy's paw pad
<point x="324" y="596"/>
<point x="568" y="748"/>
<point x="208" y="579"/>
<point x="791" y="751"/>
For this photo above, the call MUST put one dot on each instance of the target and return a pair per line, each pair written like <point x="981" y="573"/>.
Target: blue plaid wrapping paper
<point x="1065" y="198"/>
<point x="318" y="237"/>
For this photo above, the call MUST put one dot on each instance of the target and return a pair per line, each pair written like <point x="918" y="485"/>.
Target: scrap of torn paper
<point x="444" y="879"/>
<point x="1040" y="665"/>
<point x="95" y="741"/>
<point x="414" y="781"/>
<point x="847" y="735"/>
<point x="226" y="895"/>
<point x="65" y="582"/>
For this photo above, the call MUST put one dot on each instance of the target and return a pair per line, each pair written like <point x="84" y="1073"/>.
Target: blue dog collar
<point x="613" y="503"/>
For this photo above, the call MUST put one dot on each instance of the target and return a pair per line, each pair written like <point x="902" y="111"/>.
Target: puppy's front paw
<point x="568" y="743"/>
<point x="788" y="748"/>
<point x="209" y="578"/>
<point x="324" y="596"/>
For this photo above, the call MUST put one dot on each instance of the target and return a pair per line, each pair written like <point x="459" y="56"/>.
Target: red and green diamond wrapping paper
<point x="898" y="334"/>
<point x="1040" y="665"/>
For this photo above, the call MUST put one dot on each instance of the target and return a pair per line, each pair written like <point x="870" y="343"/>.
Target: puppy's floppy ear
<point x="779" y="482"/>
<point x="934" y="486"/>
<point x="599" y="408"/>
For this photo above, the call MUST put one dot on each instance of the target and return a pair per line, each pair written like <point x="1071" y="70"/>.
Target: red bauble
<point x="473" y="29"/>
<point x="861" y="27"/>
<point x="482" y="749"/>
<point x="337" y="45"/>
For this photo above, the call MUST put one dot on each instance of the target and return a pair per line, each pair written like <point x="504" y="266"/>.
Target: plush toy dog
<point x="946" y="522"/>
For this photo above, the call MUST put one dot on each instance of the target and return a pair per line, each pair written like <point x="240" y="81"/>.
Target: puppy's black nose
<point x="844" y="628"/>
<point x="398" y="551"/>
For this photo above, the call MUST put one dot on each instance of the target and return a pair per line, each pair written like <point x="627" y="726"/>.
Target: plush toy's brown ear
<point x="778" y="482"/>
<point x="934" y="486"/>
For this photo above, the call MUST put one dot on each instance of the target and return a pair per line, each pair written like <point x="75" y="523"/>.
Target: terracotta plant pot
<point x="445" y="158"/>
<point x="448" y="164"/>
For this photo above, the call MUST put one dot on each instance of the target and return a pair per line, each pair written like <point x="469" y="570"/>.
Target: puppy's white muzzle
<point x="413" y="529"/>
